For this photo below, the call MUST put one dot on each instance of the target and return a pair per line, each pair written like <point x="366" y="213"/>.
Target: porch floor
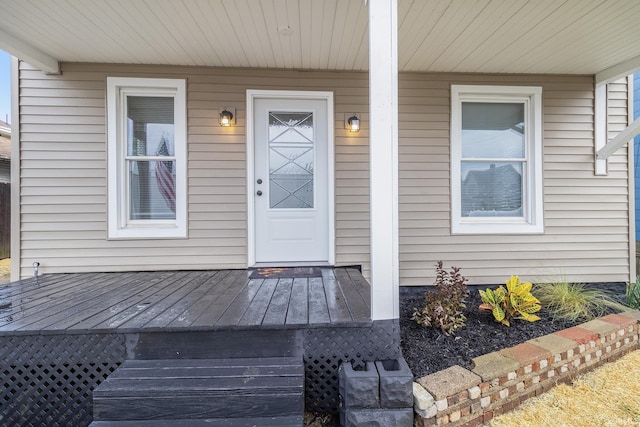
<point x="182" y="300"/>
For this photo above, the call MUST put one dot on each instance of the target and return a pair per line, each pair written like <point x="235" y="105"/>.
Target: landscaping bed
<point x="427" y="350"/>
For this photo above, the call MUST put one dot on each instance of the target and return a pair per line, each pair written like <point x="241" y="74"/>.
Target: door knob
<point x="259" y="181"/>
<point x="259" y="193"/>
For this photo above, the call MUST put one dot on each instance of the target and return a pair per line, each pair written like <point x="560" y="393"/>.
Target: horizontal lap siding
<point x="64" y="169"/>
<point x="63" y="177"/>
<point x="586" y="235"/>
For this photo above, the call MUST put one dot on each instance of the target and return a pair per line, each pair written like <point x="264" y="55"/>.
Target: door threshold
<point x="290" y="264"/>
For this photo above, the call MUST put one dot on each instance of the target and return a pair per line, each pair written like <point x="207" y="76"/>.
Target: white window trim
<point x="119" y="228"/>
<point x="533" y="210"/>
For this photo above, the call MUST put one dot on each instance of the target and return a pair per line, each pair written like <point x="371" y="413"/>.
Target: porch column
<point x="383" y="156"/>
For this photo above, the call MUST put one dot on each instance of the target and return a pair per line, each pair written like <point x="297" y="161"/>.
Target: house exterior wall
<point x="64" y="169"/>
<point x="586" y="217"/>
<point x="64" y="175"/>
<point x="5" y="170"/>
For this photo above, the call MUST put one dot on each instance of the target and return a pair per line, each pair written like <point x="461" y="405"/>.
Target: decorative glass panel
<point x="291" y="160"/>
<point x="492" y="130"/>
<point x="491" y="189"/>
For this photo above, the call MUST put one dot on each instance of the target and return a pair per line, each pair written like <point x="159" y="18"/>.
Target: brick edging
<point x="502" y="380"/>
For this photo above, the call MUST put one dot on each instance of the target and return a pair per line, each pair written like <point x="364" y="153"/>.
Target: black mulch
<point x="428" y="351"/>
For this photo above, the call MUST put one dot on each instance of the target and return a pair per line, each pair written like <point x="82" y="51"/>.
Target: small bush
<point x="633" y="294"/>
<point x="574" y="301"/>
<point x="516" y="301"/>
<point x="443" y="306"/>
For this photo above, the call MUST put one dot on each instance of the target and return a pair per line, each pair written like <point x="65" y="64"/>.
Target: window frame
<point x="120" y="226"/>
<point x="532" y="200"/>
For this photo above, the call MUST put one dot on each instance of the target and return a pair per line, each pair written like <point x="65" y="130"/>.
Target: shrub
<point x="443" y="306"/>
<point x="633" y="294"/>
<point x="574" y="301"/>
<point x="516" y="301"/>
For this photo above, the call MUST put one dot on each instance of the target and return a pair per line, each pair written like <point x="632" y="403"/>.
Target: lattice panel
<point x="47" y="380"/>
<point x="325" y="348"/>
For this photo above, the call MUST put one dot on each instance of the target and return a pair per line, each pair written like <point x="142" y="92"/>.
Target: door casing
<point x="252" y="95"/>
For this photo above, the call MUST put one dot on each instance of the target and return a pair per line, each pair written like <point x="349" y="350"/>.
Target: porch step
<point x="221" y="392"/>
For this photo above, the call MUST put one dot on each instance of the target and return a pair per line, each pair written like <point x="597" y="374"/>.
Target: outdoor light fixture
<point x="226" y="117"/>
<point x="353" y="124"/>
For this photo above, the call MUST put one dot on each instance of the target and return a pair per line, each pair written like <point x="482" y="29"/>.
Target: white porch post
<point x="383" y="155"/>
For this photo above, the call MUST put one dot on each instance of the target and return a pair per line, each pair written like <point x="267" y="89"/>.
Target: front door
<point x="291" y="180"/>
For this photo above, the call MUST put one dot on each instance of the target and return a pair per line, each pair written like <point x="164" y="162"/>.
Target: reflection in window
<point x="493" y="157"/>
<point x="150" y="139"/>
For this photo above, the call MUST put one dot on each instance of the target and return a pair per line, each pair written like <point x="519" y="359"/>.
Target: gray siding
<point x="5" y="170"/>
<point x="63" y="181"/>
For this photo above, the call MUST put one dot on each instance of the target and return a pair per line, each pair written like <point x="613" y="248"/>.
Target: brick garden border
<point x="502" y="380"/>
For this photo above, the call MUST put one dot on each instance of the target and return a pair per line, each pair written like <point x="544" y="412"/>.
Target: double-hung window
<point x="496" y="159"/>
<point x="146" y="157"/>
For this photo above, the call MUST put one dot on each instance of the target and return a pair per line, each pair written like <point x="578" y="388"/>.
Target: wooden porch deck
<point x="63" y="335"/>
<point x="182" y="300"/>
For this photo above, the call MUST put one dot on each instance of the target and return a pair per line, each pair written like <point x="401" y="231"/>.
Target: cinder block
<point x="359" y="388"/>
<point x="378" y="417"/>
<point x="396" y="383"/>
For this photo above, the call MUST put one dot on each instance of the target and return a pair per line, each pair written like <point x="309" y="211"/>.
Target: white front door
<point x="291" y="180"/>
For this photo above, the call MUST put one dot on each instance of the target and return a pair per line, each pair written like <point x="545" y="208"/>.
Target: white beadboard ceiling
<point x="503" y="36"/>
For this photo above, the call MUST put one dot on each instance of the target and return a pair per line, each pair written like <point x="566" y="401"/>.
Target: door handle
<point x="259" y="193"/>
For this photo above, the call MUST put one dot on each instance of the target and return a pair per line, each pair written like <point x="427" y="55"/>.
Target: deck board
<point x="277" y="311"/>
<point x="206" y="307"/>
<point x="357" y="306"/>
<point x="177" y="300"/>
<point x="163" y="312"/>
<point x="256" y="310"/>
<point x="119" y="303"/>
<point x="221" y="303"/>
<point x="318" y="311"/>
<point x="336" y="304"/>
<point x="58" y="304"/>
<point x="298" y="313"/>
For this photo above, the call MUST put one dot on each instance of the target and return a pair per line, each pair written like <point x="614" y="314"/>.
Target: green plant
<point x="516" y="301"/>
<point x="574" y="301"/>
<point x="633" y="294"/>
<point x="443" y="306"/>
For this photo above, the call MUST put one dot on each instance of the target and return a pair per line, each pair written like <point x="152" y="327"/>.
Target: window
<point x="496" y="159"/>
<point x="147" y="157"/>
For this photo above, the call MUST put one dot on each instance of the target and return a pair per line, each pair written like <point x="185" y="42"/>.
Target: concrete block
<point x="359" y="388"/>
<point x="396" y="383"/>
<point x="378" y="417"/>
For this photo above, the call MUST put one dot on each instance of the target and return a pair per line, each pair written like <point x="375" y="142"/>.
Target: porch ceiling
<point x="503" y="36"/>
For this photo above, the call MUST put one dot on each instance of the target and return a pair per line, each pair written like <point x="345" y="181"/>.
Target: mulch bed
<point x="427" y="350"/>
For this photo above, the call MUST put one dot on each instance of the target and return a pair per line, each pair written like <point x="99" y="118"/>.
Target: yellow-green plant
<point x="514" y="302"/>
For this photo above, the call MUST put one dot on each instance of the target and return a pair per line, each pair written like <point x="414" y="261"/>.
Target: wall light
<point x="352" y="124"/>
<point x="226" y="116"/>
